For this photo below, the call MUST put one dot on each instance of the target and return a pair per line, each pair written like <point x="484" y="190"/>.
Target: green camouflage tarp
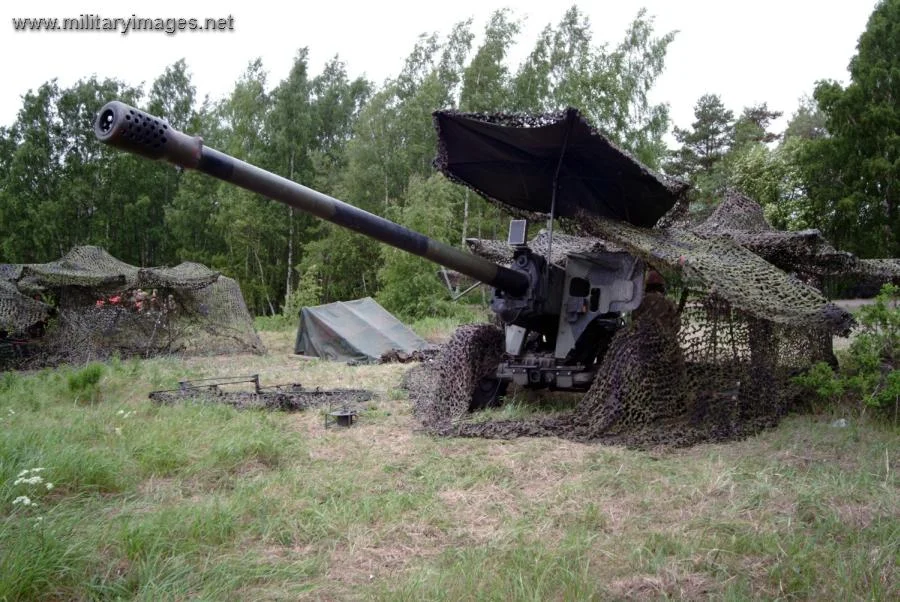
<point x="358" y="331"/>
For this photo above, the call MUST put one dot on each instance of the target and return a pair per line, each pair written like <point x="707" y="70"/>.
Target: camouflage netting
<point x="89" y="305"/>
<point x="880" y="270"/>
<point x="285" y="398"/>
<point x="712" y="361"/>
<point x="18" y="312"/>
<point x="562" y="244"/>
<point x="738" y="218"/>
<point x="805" y="253"/>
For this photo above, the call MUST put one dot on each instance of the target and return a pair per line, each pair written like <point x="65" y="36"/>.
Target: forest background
<point x="835" y="166"/>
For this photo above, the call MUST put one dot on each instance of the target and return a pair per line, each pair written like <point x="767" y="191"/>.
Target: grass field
<point x="205" y="502"/>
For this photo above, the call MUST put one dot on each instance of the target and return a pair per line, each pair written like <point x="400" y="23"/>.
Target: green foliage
<point x="838" y="165"/>
<point x="352" y="262"/>
<point x="566" y="68"/>
<point x="486" y="80"/>
<point x="59" y="187"/>
<point x="870" y="373"/>
<point x="447" y="317"/>
<point x="409" y="285"/>
<point x="308" y="293"/>
<point x="706" y="143"/>
<point x="85" y="382"/>
<point x="881" y="323"/>
<point x="173" y="95"/>
<point x="874" y="361"/>
<point x="807" y="122"/>
<point x="720" y="152"/>
<point x="369" y="145"/>
<point x="752" y="127"/>
<point x="855" y="172"/>
<point x="773" y="178"/>
<point x="822" y="380"/>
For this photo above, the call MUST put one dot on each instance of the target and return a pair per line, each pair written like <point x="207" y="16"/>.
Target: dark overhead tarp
<point x="359" y="330"/>
<point x="513" y="160"/>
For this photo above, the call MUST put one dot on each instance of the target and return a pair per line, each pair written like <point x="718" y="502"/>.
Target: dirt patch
<point x="669" y="583"/>
<point x="275" y="553"/>
<point x="806" y="457"/>
<point x="858" y="516"/>
<point x="395" y="442"/>
<point x="339" y="445"/>
<point x="478" y="512"/>
<point x="159" y="487"/>
<point x="170" y="490"/>
<point x="554" y="463"/>
<point x="369" y="554"/>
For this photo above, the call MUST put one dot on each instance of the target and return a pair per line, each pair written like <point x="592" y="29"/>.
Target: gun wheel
<point x="488" y="394"/>
<point x="469" y="358"/>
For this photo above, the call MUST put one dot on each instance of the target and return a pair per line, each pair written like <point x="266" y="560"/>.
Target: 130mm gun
<point x="558" y="319"/>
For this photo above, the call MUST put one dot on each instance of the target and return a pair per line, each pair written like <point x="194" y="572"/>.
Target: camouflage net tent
<point x="89" y="305"/>
<point x="710" y="358"/>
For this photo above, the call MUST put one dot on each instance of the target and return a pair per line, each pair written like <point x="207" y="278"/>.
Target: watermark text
<point x="134" y="23"/>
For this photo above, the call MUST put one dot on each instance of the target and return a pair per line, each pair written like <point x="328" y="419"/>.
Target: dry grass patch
<point x="859" y="516"/>
<point x="382" y="553"/>
<point x="478" y="514"/>
<point x="668" y="584"/>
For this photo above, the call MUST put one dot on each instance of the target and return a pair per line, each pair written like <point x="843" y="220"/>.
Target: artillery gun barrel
<point x="130" y="129"/>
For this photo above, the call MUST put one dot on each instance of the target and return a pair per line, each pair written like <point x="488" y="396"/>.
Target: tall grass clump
<point x="85" y="382"/>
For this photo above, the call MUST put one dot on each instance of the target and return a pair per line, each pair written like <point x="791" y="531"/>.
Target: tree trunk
<point x="481" y="221"/>
<point x="262" y="279"/>
<point x="290" y="257"/>
<point x="893" y="218"/>
<point x="465" y="223"/>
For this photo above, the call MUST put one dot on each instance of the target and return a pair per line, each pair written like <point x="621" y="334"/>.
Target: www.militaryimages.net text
<point x="123" y="25"/>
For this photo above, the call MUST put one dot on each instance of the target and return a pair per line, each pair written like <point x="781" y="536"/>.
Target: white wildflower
<point x="118" y="431"/>
<point x="12" y="412"/>
<point x="37" y="521"/>
<point x="33" y="480"/>
<point x="49" y="486"/>
<point x="120" y="412"/>
<point x="22" y="499"/>
<point x="30" y="471"/>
